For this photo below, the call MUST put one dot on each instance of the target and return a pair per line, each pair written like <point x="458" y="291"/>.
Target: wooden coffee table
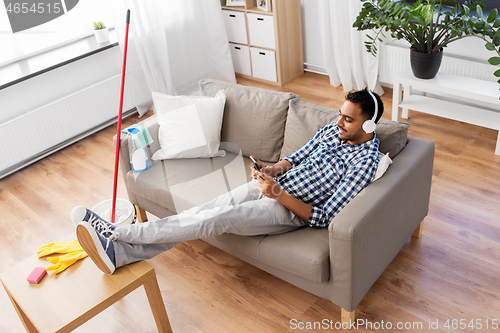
<point x="77" y="294"/>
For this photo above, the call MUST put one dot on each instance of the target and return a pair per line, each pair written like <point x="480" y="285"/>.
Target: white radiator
<point x="395" y="58"/>
<point x="40" y="132"/>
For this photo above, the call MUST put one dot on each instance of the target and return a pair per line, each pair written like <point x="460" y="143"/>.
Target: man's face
<point x="350" y="124"/>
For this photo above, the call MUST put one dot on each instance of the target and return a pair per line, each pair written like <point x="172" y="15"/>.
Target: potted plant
<point x="429" y="26"/>
<point x="101" y="32"/>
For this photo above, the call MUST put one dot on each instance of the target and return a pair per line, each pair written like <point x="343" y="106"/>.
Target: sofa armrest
<point x="152" y="125"/>
<point x="370" y="231"/>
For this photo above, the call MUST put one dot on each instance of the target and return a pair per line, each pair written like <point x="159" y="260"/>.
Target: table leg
<point x="156" y="303"/>
<point x="396" y="99"/>
<point x="404" y="112"/>
<point x="28" y="325"/>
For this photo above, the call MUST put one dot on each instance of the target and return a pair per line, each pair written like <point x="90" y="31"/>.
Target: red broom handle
<point x="119" y="127"/>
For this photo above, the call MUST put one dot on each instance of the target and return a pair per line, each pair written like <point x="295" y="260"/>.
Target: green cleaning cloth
<point x="142" y="134"/>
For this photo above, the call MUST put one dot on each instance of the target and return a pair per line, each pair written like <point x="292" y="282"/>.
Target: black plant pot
<point x="425" y="65"/>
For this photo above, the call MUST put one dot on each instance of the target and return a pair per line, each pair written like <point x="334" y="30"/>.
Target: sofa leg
<point x="418" y="232"/>
<point x="141" y="214"/>
<point x="346" y="318"/>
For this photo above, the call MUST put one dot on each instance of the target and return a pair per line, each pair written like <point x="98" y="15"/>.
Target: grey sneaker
<point x="82" y="214"/>
<point x="96" y="240"/>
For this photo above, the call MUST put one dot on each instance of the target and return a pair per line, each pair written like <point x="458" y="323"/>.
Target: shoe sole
<point x="88" y="241"/>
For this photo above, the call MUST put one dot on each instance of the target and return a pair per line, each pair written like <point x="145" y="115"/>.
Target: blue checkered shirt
<point x="328" y="174"/>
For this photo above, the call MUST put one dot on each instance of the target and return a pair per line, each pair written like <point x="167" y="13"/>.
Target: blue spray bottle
<point x="139" y="160"/>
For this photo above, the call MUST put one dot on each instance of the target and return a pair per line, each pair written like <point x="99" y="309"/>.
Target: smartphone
<point x="255" y="163"/>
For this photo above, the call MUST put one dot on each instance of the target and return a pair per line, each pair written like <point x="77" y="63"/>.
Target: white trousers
<point x="243" y="211"/>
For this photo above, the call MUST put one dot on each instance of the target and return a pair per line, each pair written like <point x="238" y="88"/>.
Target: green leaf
<point x="428" y="13"/>
<point x="496" y="41"/>
<point x="497" y="34"/>
<point x="497" y="23"/>
<point x="487" y="29"/>
<point x="479" y="11"/>
<point x="492" y="16"/>
<point x="497" y="73"/>
<point x="494" y="61"/>
<point x="466" y="10"/>
<point x="490" y="46"/>
<point x="479" y="25"/>
<point x="397" y="10"/>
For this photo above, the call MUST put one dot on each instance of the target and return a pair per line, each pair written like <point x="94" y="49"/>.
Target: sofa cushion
<point x="254" y="118"/>
<point x="392" y="135"/>
<point x="180" y="184"/>
<point x="303" y="121"/>
<point x="190" y="126"/>
<point x="304" y="252"/>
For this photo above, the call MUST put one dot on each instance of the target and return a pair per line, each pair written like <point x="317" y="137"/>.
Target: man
<point x="309" y="187"/>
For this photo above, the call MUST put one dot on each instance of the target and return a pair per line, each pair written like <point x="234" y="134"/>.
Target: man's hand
<point x="276" y="170"/>
<point x="267" y="185"/>
<point x="264" y="168"/>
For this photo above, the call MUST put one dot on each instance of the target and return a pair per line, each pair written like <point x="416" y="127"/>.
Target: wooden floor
<point x="452" y="272"/>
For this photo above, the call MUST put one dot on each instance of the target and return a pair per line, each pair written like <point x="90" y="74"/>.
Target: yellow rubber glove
<point x="60" y="247"/>
<point x="64" y="261"/>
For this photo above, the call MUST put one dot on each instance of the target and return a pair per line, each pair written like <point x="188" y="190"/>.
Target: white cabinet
<point x="236" y="26"/>
<point x="241" y="58"/>
<point x="272" y="40"/>
<point x="264" y="64"/>
<point x="261" y="30"/>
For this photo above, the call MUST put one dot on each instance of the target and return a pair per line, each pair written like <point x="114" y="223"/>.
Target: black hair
<point x="365" y="102"/>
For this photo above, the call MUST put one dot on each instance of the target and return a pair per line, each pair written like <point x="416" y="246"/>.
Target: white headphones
<point x="369" y="125"/>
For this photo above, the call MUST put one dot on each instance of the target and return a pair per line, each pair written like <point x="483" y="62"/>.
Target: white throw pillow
<point x="383" y="164"/>
<point x="189" y="125"/>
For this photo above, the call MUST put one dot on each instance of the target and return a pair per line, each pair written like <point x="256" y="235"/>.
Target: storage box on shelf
<point x="241" y="58"/>
<point x="261" y="30"/>
<point x="236" y="26"/>
<point x="263" y="64"/>
<point x="266" y="46"/>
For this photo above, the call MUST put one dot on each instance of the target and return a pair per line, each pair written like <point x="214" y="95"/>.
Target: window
<point x="75" y="24"/>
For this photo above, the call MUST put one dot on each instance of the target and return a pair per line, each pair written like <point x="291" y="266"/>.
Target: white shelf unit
<point x="266" y="46"/>
<point x="477" y="101"/>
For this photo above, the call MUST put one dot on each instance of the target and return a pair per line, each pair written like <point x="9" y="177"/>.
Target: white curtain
<point x="347" y="62"/>
<point x="172" y="44"/>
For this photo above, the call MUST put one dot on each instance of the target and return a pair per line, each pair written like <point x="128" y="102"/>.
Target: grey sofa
<point x="339" y="263"/>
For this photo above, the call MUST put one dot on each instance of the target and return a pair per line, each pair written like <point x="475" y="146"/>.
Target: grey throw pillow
<point x="254" y="118"/>
<point x="392" y="135"/>
<point x="303" y="121"/>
